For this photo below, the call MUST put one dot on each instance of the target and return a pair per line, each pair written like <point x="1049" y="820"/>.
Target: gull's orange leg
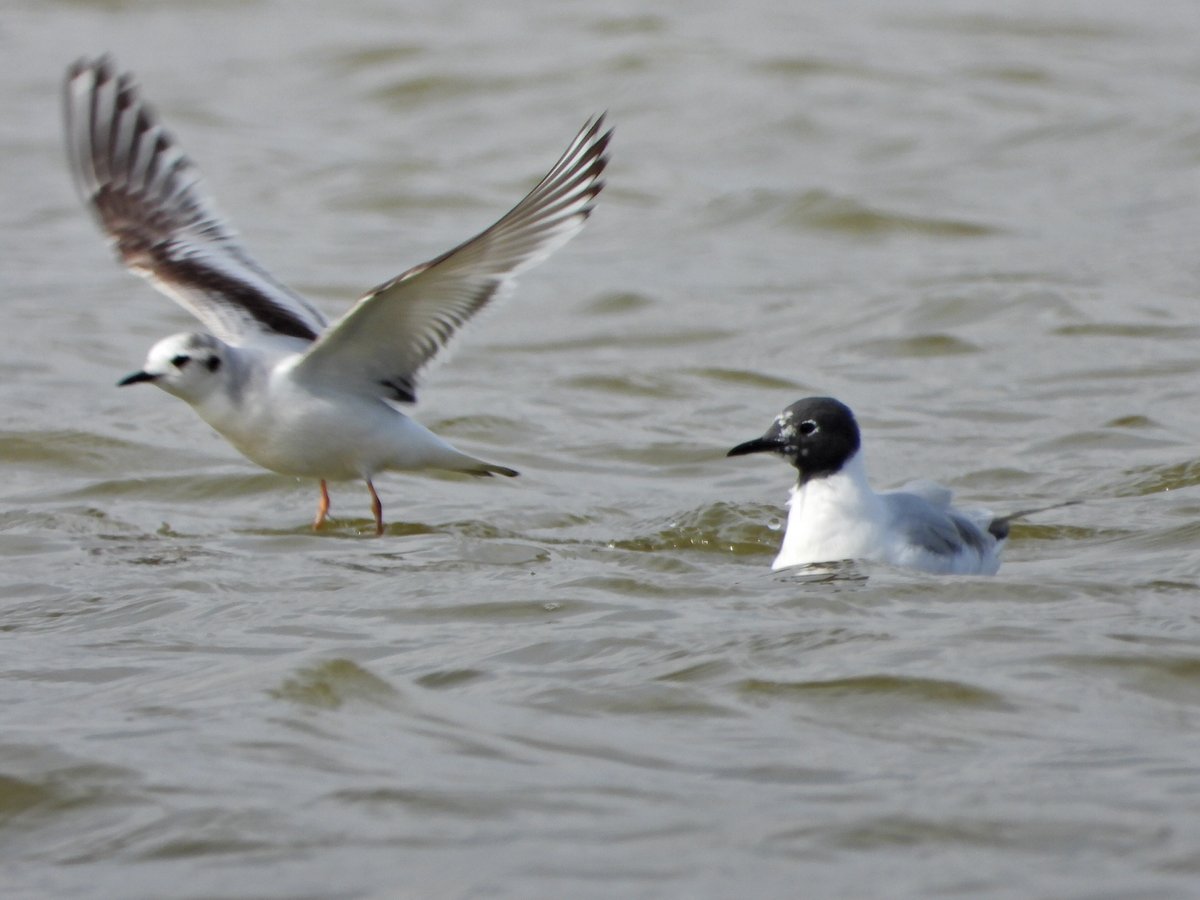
<point x="322" y="507"/>
<point x="376" y="508"/>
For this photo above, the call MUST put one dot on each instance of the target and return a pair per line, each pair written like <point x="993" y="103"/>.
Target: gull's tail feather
<point x="470" y="465"/>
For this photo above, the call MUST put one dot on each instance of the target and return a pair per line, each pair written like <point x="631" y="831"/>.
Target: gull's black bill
<point x="136" y="378"/>
<point x="764" y="444"/>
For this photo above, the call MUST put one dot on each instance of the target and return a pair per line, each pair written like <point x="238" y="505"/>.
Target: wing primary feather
<point x="384" y="342"/>
<point x="150" y="199"/>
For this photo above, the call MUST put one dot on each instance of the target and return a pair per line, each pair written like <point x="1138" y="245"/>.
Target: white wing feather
<point x="381" y="345"/>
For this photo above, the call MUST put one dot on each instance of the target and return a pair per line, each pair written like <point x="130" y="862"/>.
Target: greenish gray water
<point x="977" y="227"/>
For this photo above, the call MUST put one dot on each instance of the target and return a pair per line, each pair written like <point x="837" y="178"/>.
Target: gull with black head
<point x="290" y="391"/>
<point x="834" y="515"/>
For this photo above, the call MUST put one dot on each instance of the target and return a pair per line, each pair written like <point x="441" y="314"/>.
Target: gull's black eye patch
<point x="212" y="363"/>
<point x="808" y="426"/>
<point x="180" y="361"/>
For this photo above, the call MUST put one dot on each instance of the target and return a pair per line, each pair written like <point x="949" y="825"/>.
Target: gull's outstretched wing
<point x="149" y="198"/>
<point x="381" y="345"/>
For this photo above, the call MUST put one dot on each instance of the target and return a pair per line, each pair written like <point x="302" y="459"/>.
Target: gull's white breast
<point x="832" y="519"/>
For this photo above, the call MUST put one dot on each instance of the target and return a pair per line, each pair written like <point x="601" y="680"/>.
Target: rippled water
<point x="976" y="224"/>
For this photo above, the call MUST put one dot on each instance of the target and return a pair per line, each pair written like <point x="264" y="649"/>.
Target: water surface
<point x="976" y="226"/>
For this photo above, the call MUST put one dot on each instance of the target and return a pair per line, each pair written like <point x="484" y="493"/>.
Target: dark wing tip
<point x="400" y="389"/>
<point x="999" y="528"/>
<point x="103" y="65"/>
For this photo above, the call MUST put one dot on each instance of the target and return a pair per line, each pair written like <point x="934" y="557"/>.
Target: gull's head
<point x="186" y="365"/>
<point x="817" y="435"/>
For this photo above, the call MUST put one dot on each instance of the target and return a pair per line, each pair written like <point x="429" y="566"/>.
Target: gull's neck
<point x="238" y="398"/>
<point x="848" y="485"/>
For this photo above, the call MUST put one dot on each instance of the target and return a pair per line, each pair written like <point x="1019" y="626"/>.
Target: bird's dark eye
<point x="180" y="361"/>
<point x="808" y="426"/>
<point x="212" y="363"/>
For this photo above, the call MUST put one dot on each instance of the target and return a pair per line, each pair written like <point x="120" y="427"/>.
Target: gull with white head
<point x="291" y="392"/>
